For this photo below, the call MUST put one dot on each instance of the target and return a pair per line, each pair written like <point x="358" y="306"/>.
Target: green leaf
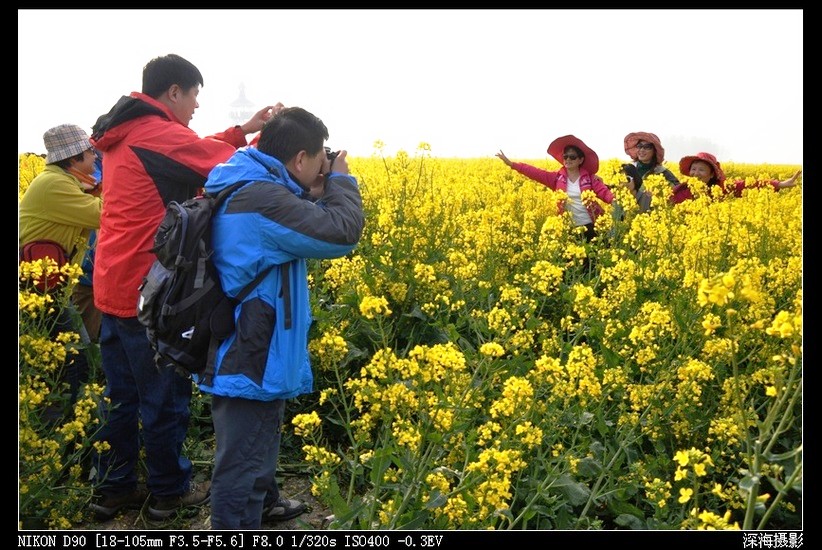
<point x="416" y="313"/>
<point x="612" y="359"/>
<point x="417" y="522"/>
<point x="778" y="485"/>
<point x="621" y="508"/>
<point x="629" y="521"/>
<point x="589" y="467"/>
<point x="436" y="499"/>
<point x="379" y="462"/>
<point x="773" y="457"/>
<point x="576" y="493"/>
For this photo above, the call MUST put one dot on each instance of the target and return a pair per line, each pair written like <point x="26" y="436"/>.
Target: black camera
<point x="331" y="154"/>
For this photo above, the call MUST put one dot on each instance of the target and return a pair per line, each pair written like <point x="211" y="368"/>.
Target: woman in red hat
<point x="705" y="168"/>
<point x="647" y="154"/>
<point x="578" y="174"/>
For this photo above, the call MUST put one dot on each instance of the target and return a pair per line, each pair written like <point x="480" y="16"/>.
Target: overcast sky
<point x="467" y="82"/>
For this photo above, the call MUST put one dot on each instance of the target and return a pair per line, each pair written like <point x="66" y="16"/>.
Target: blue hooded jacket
<point x="272" y="221"/>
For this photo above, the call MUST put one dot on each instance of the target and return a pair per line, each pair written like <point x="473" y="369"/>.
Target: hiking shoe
<point x="106" y="507"/>
<point x="164" y="508"/>
<point x="283" y="509"/>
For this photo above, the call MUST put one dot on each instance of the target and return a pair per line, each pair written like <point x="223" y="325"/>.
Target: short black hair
<point x="65" y="164"/>
<point x="290" y="131"/>
<point x="161" y="73"/>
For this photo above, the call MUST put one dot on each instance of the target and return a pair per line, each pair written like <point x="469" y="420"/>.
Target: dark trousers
<point x="248" y="447"/>
<point x="140" y="392"/>
<point x="589" y="232"/>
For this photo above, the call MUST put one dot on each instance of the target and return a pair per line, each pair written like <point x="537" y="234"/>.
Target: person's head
<point x="572" y="153"/>
<point x="296" y="138"/>
<point x="573" y="157"/>
<point x="175" y="82"/>
<point x="702" y="166"/>
<point x="644" y="147"/>
<point x="68" y="146"/>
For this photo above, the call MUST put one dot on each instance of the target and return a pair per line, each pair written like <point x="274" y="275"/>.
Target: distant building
<point x="241" y="108"/>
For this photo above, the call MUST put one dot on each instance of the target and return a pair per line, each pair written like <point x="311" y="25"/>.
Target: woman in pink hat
<point x="705" y="168"/>
<point x="578" y="173"/>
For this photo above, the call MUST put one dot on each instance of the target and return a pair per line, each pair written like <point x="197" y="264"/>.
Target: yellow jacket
<point x="56" y="208"/>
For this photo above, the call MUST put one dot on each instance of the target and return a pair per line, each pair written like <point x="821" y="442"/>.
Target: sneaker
<point x="164" y="508"/>
<point x="106" y="507"/>
<point x="284" y="509"/>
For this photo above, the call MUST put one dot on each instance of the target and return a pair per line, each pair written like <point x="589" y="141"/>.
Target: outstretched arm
<point x="504" y="159"/>
<point x="791" y="181"/>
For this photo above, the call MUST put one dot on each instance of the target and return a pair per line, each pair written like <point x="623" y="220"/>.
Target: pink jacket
<point x="558" y="181"/>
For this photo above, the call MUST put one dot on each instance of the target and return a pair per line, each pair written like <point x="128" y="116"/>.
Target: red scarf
<point x="87" y="181"/>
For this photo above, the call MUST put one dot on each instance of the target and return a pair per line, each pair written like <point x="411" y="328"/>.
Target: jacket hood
<point x="250" y="164"/>
<point x="104" y="132"/>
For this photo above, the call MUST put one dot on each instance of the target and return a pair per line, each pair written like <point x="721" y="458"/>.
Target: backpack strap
<point x="287" y="321"/>
<point x="207" y="375"/>
<point x="250" y="286"/>
<point x="221" y="196"/>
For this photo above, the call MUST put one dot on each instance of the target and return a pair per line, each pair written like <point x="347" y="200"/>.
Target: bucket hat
<point x="557" y="148"/>
<point x="685" y="165"/>
<point x="635" y="137"/>
<point x="65" y="141"/>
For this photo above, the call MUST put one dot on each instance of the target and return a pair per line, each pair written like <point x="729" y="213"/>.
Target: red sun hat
<point x="635" y="137"/>
<point x="557" y="148"/>
<point x="685" y="165"/>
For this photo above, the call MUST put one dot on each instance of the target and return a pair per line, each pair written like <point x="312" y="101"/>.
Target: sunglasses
<point x="647" y="146"/>
<point x="570" y="157"/>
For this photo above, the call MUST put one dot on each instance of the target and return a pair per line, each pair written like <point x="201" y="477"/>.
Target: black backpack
<point x="182" y="304"/>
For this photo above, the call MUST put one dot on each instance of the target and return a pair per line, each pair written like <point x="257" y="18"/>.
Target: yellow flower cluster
<point x="497" y="468"/>
<point x="530" y="435"/>
<point x="373" y="306"/>
<point x="706" y="520"/>
<point x="321" y="457"/>
<point x="492" y="349"/>
<point x="329" y="349"/>
<point x="696" y="459"/>
<point x="516" y="391"/>
<point x="658" y="491"/>
<point x="785" y="325"/>
<point x="306" y="423"/>
<point x="28" y="166"/>
<point x="31" y="273"/>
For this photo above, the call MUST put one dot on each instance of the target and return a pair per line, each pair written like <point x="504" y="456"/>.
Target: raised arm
<point x="791" y="181"/>
<point x="503" y="158"/>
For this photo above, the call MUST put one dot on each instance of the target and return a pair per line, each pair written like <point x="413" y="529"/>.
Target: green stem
<point x="785" y="488"/>
<point x="605" y="471"/>
<point x="786" y="415"/>
<point x="421" y="468"/>
<point x="753" y="493"/>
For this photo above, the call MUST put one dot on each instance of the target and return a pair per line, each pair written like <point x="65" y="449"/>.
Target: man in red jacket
<point x="151" y="157"/>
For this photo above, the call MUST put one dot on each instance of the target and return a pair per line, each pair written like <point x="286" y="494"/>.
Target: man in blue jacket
<point x="297" y="204"/>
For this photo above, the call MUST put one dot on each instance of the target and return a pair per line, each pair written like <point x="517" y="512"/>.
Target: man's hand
<point x="256" y="122"/>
